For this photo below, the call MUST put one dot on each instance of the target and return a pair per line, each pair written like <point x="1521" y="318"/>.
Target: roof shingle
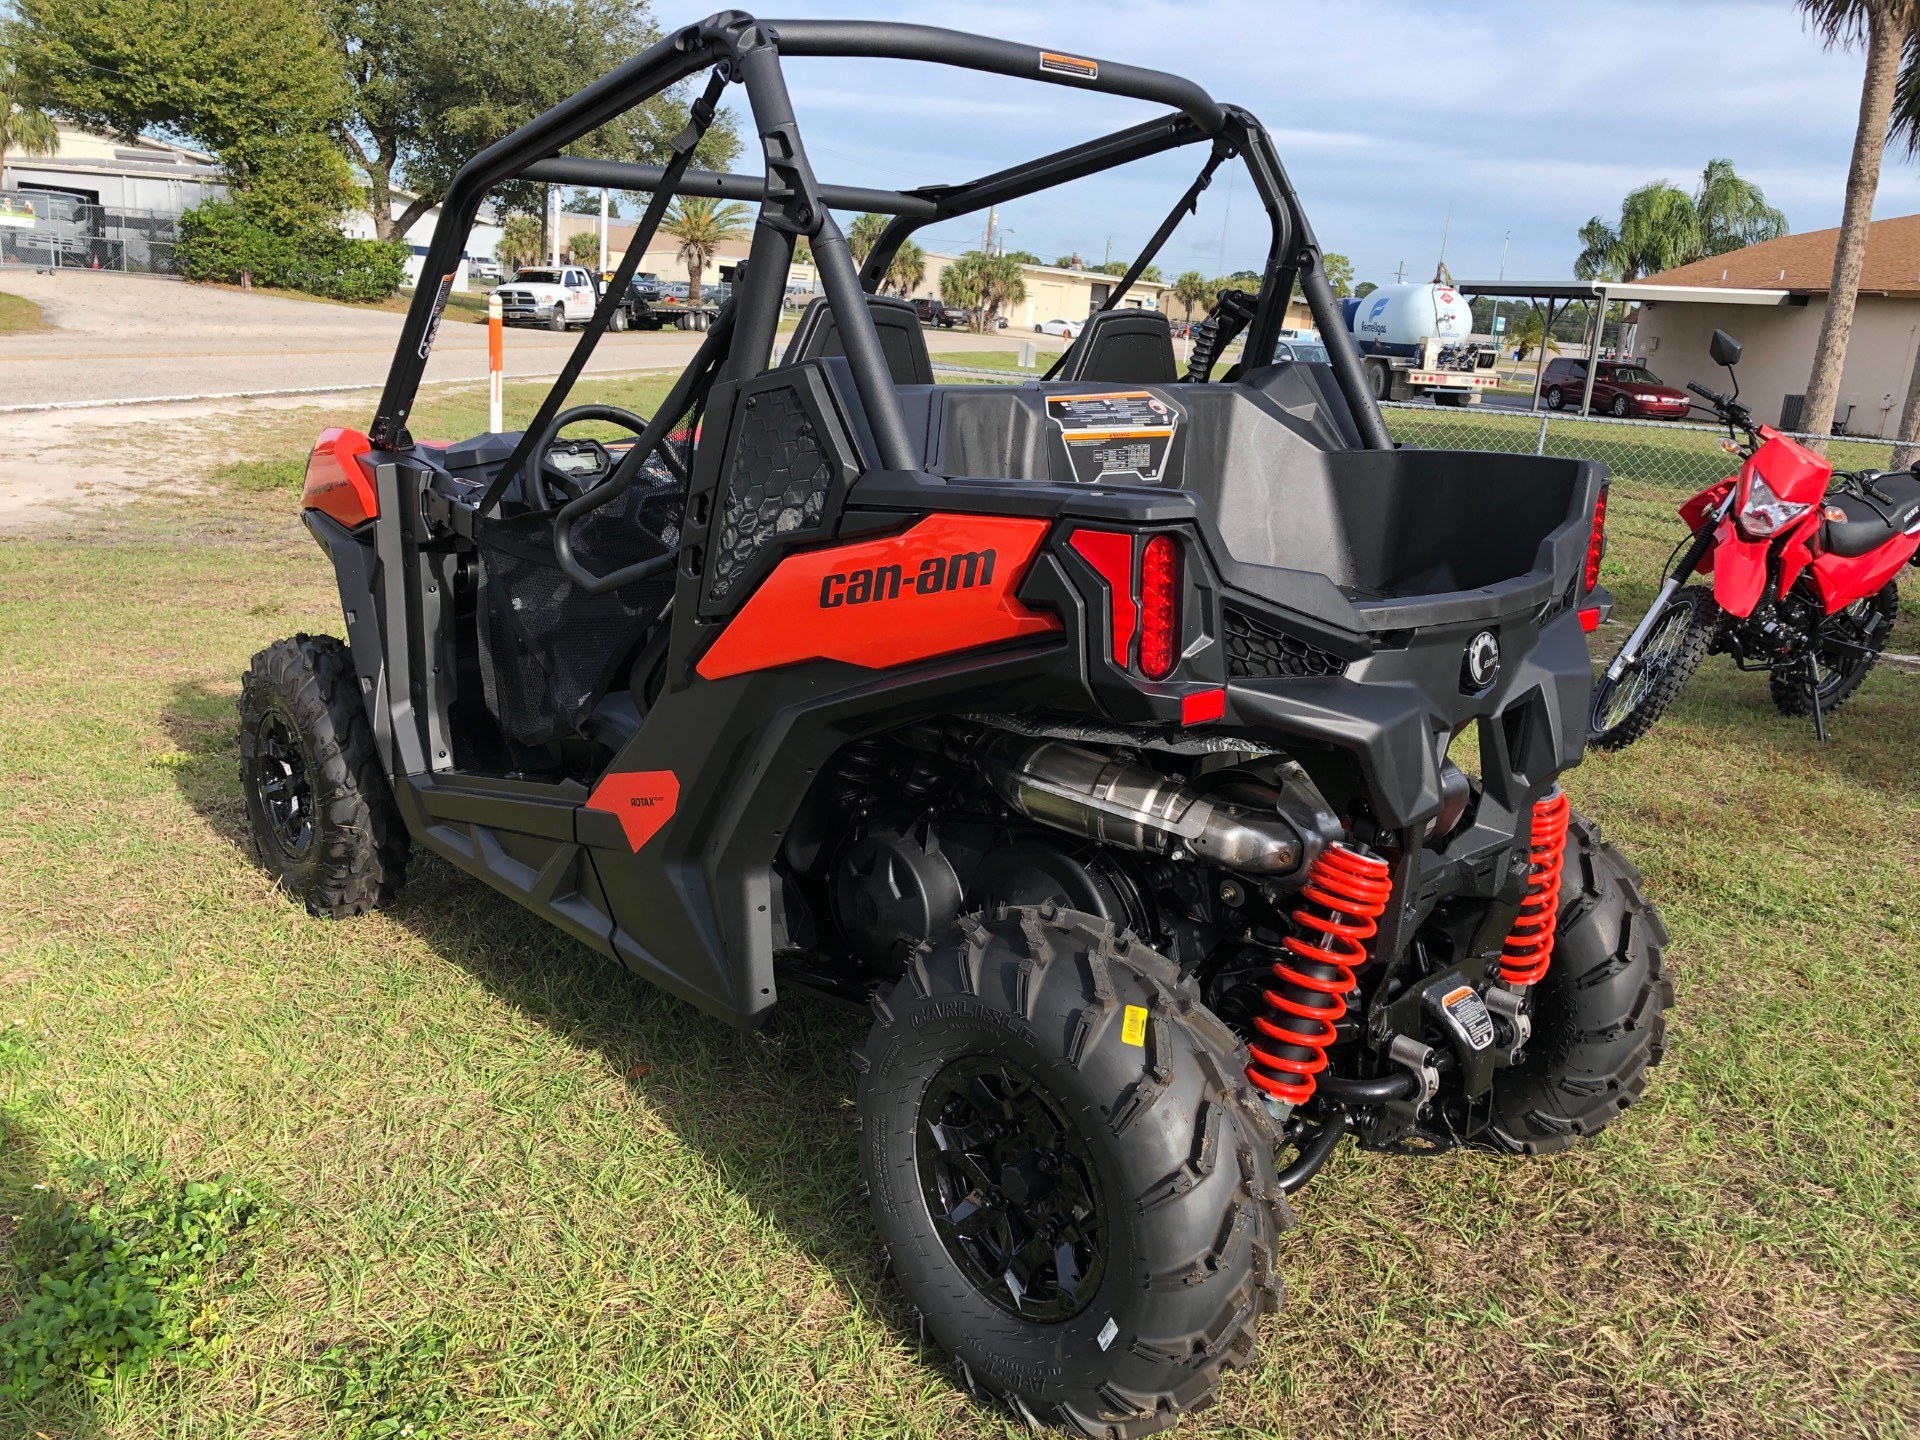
<point x="1805" y="263"/>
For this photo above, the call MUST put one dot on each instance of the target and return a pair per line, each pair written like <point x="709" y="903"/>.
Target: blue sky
<point x="1521" y="118"/>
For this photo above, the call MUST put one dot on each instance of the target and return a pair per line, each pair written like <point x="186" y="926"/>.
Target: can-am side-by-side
<point x="1170" y="762"/>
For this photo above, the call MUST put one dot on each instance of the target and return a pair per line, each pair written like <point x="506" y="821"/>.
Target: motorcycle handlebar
<point x="1714" y="395"/>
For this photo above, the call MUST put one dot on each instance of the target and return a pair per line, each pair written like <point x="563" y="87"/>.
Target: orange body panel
<point x="945" y="585"/>
<point x="338" y="482"/>
<point x="641" y="800"/>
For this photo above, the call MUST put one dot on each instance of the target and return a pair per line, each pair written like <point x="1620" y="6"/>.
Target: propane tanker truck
<point x="1401" y="331"/>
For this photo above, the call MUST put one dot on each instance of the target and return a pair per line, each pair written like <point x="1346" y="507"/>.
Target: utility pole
<point x="1400" y="275"/>
<point x="553" y="228"/>
<point x="603" y="229"/>
<point x="986" y="240"/>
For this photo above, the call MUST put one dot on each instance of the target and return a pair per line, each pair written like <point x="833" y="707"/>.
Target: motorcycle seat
<point x="1857" y="523"/>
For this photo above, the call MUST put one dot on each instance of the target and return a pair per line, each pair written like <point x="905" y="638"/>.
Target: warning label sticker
<point x="1465" y="1014"/>
<point x="1124" y="436"/>
<point x="1074" y="65"/>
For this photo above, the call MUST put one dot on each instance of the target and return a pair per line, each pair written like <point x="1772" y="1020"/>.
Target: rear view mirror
<point x="1724" y="349"/>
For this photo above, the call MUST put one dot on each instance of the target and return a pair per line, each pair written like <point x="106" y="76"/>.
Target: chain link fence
<point x="1670" y="453"/>
<point x="49" y="231"/>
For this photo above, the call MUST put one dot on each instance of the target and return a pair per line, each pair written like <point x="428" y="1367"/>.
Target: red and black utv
<point x="1095" y="730"/>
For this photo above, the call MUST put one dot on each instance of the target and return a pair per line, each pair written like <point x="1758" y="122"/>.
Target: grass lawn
<point x="19" y="316"/>
<point x="506" y="1190"/>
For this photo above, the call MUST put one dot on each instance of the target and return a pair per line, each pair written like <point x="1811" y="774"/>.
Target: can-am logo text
<point x="936" y="573"/>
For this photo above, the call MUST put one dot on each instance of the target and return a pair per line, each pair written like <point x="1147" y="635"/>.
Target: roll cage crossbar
<point x="741" y="49"/>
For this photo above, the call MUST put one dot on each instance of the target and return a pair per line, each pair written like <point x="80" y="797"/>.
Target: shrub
<point x="220" y="241"/>
<point x="110" y="1279"/>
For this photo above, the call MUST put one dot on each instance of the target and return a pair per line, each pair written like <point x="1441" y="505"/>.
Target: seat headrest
<point x="1128" y="346"/>
<point x="901" y="339"/>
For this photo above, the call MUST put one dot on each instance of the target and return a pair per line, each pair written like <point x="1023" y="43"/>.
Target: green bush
<point x="220" y="241"/>
<point x="109" y="1280"/>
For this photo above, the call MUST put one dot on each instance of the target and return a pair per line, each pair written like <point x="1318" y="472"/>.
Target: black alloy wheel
<point x="283" y="787"/>
<point x="1010" y="1182"/>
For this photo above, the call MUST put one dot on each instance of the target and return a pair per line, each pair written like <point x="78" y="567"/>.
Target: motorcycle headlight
<point x="1765" y="513"/>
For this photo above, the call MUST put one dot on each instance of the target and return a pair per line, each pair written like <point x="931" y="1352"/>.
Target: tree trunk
<point x="1886" y="38"/>
<point x="1908" y="450"/>
<point x="695" y="266"/>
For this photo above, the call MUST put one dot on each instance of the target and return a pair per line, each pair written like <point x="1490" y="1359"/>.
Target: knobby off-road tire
<point x="1793" y="695"/>
<point x="320" y="815"/>
<point x="1599" y="1013"/>
<point x="1180" y="1156"/>
<point x="1692" y="606"/>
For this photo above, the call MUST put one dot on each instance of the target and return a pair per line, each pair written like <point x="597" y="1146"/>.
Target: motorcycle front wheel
<point x="1625" y="709"/>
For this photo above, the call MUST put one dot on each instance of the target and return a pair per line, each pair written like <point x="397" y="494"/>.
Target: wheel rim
<point x="1840" y="646"/>
<point x="1616" y="701"/>
<point x="284" y="790"/>
<point x="1010" y="1184"/>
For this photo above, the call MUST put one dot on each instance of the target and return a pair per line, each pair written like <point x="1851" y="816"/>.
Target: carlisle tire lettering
<point x="934" y="575"/>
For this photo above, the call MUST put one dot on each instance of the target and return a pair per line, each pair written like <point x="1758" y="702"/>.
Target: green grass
<point x="20" y="316"/>
<point x="518" y="1193"/>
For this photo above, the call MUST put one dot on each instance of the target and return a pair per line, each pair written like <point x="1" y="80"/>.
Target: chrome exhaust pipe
<point x="1123" y="803"/>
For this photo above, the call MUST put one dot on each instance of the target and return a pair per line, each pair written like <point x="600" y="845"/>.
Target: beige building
<point x="1789" y="277"/>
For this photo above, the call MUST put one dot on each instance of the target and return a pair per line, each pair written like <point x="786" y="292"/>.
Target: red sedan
<point x="1620" y="388"/>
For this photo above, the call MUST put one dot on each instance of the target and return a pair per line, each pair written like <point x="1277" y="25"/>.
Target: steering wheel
<point x="551" y="486"/>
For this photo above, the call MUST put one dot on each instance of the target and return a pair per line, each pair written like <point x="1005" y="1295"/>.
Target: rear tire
<point x="618" y="324"/>
<point x="1556" y="400"/>
<point x="1153" y="1144"/>
<point x="1599" y="1013"/>
<point x="1379" y="379"/>
<point x="1616" y="716"/>
<point x="1867" y="622"/>
<point x="319" y="813"/>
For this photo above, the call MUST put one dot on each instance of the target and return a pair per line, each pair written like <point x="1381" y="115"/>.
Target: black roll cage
<point x="740" y="48"/>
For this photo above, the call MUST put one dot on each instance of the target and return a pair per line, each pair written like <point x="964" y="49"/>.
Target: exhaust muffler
<point x="1124" y="803"/>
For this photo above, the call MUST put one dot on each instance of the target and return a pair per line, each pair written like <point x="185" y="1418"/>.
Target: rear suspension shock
<point x="1529" y="948"/>
<point x="1346" y="893"/>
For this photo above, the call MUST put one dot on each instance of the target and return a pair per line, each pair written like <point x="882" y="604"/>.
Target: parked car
<point x="935" y="312"/>
<point x="972" y="317"/>
<point x="1065" y="329"/>
<point x="1620" y="388"/>
<point x="554" y="297"/>
<point x="483" y="267"/>
<point x="1292" y="349"/>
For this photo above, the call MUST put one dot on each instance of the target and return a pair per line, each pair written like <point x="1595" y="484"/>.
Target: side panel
<point x="1844" y="579"/>
<point x="947" y="584"/>
<point x="1739" y="570"/>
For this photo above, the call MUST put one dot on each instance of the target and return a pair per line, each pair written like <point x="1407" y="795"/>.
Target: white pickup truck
<point x="550" y="296"/>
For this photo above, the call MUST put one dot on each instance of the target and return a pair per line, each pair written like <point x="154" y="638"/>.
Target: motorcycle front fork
<point x="1683" y="572"/>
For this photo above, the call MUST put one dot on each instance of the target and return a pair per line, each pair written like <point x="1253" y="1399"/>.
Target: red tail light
<point x="1597" y="542"/>
<point x="1159" y="606"/>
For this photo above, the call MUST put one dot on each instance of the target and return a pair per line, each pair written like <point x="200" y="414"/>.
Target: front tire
<point x="557" y="320"/>
<point x="1848" y="647"/>
<point x="1556" y="400"/>
<point x="1619" y="407"/>
<point x="1104" y="1179"/>
<point x="1599" y="1013"/>
<point x="1623" y="710"/>
<point x="320" y="816"/>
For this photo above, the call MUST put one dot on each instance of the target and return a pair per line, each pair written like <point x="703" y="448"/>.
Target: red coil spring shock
<point x="1529" y="948"/>
<point x="1345" y="896"/>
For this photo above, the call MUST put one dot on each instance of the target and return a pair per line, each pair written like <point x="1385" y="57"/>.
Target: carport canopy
<point x="1554" y="296"/>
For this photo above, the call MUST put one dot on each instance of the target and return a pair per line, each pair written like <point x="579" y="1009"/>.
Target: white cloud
<point x="1521" y="119"/>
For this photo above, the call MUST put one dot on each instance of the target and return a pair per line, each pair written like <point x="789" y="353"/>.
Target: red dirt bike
<point x="1803" y="565"/>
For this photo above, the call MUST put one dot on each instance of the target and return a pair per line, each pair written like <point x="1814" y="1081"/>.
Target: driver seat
<point x="1857" y="522"/>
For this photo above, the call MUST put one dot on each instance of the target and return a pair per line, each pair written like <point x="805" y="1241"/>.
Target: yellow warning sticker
<point x="1133" y="1026"/>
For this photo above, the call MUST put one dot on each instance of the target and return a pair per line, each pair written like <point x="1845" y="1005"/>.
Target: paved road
<point x="124" y="337"/>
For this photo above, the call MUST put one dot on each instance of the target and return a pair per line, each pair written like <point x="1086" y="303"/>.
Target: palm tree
<point x="1732" y="212"/>
<point x="863" y="234"/>
<point x="908" y="268"/>
<point x="1194" y="292"/>
<point x="24" y="127"/>
<point x="982" y="285"/>
<point x="701" y="224"/>
<point x="519" y="241"/>
<point x="1887" y="26"/>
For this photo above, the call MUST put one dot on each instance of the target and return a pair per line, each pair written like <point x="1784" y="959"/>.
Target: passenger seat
<point x="1128" y="346"/>
<point x="901" y="339"/>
